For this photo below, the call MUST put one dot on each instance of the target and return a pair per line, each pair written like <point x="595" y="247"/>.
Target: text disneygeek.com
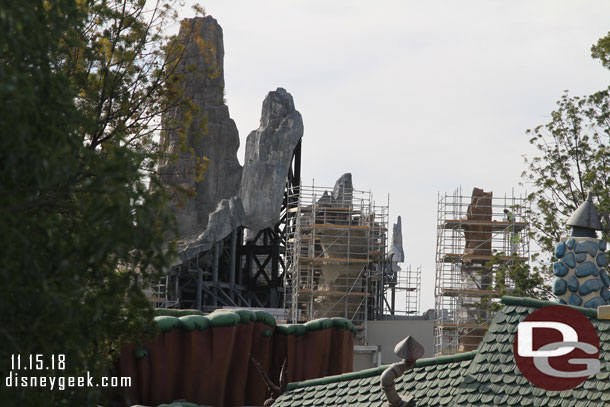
<point x="21" y="365"/>
<point x="61" y="382"/>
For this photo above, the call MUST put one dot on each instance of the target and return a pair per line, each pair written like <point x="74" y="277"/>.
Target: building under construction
<point x="250" y="236"/>
<point x="326" y="257"/>
<point x="337" y="261"/>
<point x="476" y="235"/>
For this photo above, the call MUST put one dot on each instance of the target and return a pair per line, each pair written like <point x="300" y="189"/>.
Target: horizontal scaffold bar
<point x="156" y="299"/>
<point x="327" y="209"/>
<point x="466" y="292"/>
<point x="334" y="226"/>
<point x="305" y="237"/>
<point x="333" y="260"/>
<point x="494" y="225"/>
<point x="455" y="326"/>
<point x="335" y="293"/>
<point x="453" y="257"/>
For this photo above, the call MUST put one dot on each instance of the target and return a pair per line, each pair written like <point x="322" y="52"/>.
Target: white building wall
<point x="388" y="333"/>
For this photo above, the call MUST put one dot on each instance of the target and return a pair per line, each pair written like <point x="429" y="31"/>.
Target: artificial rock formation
<point x="212" y="133"/>
<point x="269" y="151"/>
<point x="343" y="190"/>
<point x="396" y="250"/>
<point x="338" y="244"/>
<point x="478" y="243"/>
<point x="228" y="216"/>
<point x="227" y="197"/>
<point x="257" y="204"/>
<point x="478" y="237"/>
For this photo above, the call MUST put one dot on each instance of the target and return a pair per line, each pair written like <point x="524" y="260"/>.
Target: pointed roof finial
<point x="409" y="349"/>
<point x="585" y="216"/>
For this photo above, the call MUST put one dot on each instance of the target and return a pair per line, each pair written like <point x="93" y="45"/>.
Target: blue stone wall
<point x="581" y="272"/>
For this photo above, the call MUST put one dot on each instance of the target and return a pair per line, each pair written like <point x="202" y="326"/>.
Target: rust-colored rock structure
<point x="206" y="359"/>
<point x="476" y="234"/>
<point x="478" y="237"/>
<point x="478" y="243"/>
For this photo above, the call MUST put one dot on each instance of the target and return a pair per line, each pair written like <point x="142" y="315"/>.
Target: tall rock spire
<point x="203" y="69"/>
<point x="269" y="151"/>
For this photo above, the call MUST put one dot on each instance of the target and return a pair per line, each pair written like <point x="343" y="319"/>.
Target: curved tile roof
<point x="485" y="377"/>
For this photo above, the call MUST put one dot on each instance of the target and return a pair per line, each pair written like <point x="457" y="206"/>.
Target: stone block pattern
<point x="581" y="272"/>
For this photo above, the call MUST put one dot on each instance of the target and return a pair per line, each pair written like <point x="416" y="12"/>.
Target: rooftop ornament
<point x="585" y="219"/>
<point x="581" y="268"/>
<point x="409" y="350"/>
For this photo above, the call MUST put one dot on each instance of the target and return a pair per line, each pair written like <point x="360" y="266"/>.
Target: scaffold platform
<point x="476" y="234"/>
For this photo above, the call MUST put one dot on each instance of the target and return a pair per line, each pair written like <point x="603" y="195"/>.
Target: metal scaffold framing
<point x="158" y="296"/>
<point x="408" y="289"/>
<point x="336" y="255"/>
<point x="475" y="235"/>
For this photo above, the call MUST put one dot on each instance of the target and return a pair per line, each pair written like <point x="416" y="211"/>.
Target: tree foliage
<point x="83" y="85"/>
<point x="123" y="67"/>
<point x="572" y="159"/>
<point x="515" y="278"/>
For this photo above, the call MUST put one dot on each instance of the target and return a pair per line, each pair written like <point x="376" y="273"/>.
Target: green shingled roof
<point x="485" y="377"/>
<point x="168" y="319"/>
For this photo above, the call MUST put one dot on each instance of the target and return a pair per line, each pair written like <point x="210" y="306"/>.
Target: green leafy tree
<point x="515" y="278"/>
<point x="83" y="85"/>
<point x="123" y="67"/>
<point x="572" y="159"/>
<point x="519" y="279"/>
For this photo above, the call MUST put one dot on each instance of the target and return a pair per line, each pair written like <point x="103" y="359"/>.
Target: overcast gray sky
<point x="412" y="97"/>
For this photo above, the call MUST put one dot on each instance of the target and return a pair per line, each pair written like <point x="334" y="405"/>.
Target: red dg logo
<point x="556" y="348"/>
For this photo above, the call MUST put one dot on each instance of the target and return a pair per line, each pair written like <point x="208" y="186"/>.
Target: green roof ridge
<point x="246" y="316"/>
<point x="195" y="320"/>
<point x="266" y="318"/>
<point x="291" y="329"/>
<point x="376" y="371"/>
<point x="442" y="360"/>
<point x="362" y="374"/>
<point x="534" y="303"/>
<point x="316" y="325"/>
<point x="224" y="318"/>
<point x="173" y="312"/>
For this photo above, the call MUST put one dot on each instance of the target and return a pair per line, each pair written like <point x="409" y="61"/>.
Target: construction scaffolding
<point x="401" y="292"/>
<point x="408" y="290"/>
<point x="157" y="294"/>
<point x="475" y="236"/>
<point x="336" y="254"/>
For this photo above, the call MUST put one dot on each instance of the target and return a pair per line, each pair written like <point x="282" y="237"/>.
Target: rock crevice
<point x="227" y="197"/>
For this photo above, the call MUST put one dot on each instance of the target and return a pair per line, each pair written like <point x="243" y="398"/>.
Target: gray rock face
<point x="396" y="248"/>
<point x="269" y="152"/>
<point x="341" y="195"/>
<point x="343" y="190"/>
<point x="224" y="199"/>
<point x="204" y="84"/>
<point x="228" y="216"/>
